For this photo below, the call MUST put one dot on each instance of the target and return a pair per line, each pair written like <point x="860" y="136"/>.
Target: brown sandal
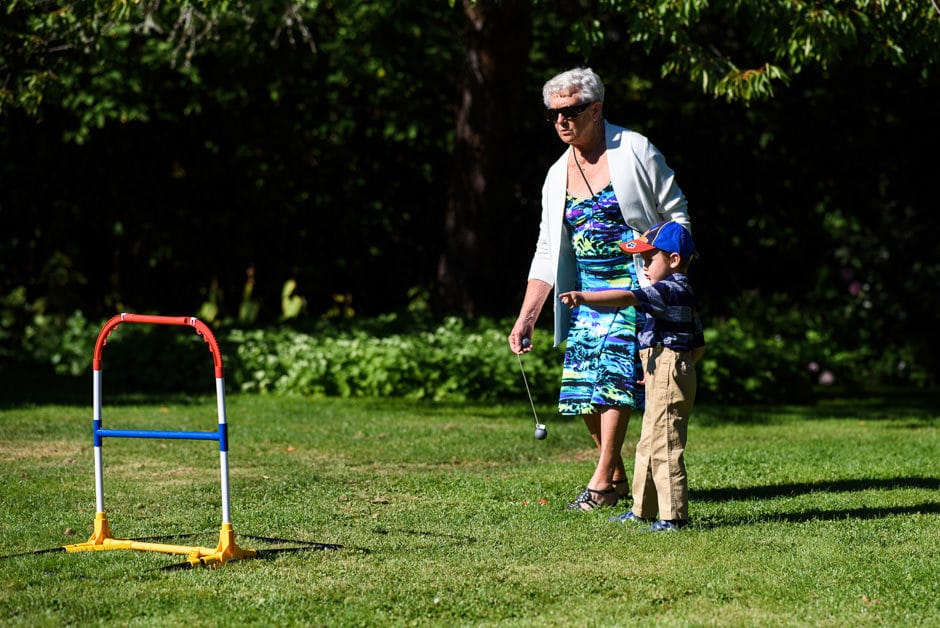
<point x="589" y="499"/>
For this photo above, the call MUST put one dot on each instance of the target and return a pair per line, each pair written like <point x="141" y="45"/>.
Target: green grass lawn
<point x="826" y="515"/>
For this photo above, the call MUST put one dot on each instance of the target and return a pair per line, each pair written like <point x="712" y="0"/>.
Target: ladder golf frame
<point x="102" y="539"/>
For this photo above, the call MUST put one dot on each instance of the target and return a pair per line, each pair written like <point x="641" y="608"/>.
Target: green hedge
<point x="454" y="360"/>
<point x="754" y="358"/>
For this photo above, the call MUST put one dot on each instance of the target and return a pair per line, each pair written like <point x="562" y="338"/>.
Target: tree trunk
<point x="497" y="40"/>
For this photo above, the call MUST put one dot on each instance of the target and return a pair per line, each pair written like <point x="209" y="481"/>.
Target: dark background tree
<point x="195" y="156"/>
<point x="481" y="214"/>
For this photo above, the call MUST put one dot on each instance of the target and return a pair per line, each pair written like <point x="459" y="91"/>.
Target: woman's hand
<point x="536" y="293"/>
<point x="519" y="338"/>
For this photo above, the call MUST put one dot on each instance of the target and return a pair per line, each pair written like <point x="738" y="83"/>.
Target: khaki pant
<point x="660" y="484"/>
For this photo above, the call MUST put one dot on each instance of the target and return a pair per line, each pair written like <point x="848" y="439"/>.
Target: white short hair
<point x="582" y="80"/>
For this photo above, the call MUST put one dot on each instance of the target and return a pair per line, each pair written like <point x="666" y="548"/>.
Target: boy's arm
<point x="697" y="353"/>
<point x="616" y="298"/>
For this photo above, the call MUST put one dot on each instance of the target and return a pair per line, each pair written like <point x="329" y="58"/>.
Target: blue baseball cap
<point x="666" y="236"/>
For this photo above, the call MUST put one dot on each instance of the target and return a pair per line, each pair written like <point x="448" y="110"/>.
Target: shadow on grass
<point x="716" y="521"/>
<point x="816" y="514"/>
<point x="802" y="488"/>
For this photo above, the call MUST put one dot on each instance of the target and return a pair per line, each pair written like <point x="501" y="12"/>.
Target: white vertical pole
<point x="99" y="473"/>
<point x="223" y="448"/>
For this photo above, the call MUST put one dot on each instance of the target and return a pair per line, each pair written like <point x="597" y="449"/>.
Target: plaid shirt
<point x="672" y="315"/>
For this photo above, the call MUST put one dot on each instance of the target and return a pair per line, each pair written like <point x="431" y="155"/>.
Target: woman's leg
<point x="608" y="429"/>
<point x="593" y="423"/>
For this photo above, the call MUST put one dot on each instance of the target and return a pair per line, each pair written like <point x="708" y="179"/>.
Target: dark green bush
<point x="768" y="353"/>
<point x="779" y="351"/>
<point x="66" y="343"/>
<point x="455" y="360"/>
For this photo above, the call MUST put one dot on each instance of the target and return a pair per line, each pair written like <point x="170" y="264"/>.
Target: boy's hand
<point x="571" y="299"/>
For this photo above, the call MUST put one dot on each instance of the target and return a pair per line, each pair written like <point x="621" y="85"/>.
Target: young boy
<point x="670" y="343"/>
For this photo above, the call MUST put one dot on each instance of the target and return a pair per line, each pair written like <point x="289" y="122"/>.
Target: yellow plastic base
<point x="227" y="549"/>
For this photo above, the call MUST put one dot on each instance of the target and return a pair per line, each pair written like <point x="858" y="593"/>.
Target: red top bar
<point x="191" y="321"/>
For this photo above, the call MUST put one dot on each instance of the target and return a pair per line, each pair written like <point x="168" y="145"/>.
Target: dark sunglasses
<point x="568" y="113"/>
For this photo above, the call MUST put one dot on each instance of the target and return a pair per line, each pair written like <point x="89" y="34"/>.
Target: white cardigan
<point x="646" y="191"/>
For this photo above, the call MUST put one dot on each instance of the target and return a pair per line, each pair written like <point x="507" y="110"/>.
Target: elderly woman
<point x="610" y="185"/>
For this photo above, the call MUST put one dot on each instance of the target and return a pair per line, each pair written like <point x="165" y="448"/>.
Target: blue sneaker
<point x="627" y="517"/>
<point x="668" y="526"/>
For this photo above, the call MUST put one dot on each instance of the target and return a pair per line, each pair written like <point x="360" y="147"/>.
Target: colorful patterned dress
<point x="601" y="361"/>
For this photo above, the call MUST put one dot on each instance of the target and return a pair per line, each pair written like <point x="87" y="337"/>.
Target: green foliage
<point x="311" y="120"/>
<point x="769" y="353"/>
<point x="455" y="360"/>
<point x="776" y="351"/>
<point x="100" y="58"/>
<point x="65" y="343"/>
<point x="249" y="307"/>
<point x="739" y="49"/>
<point x="93" y="57"/>
<point x="39" y="331"/>
<point x="744" y="362"/>
<point x="292" y="304"/>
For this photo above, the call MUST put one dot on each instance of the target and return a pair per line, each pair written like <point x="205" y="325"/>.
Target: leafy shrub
<point x="771" y="353"/>
<point x="159" y="358"/>
<point x="740" y="365"/>
<point x="145" y="358"/>
<point x="66" y="343"/>
<point x="768" y="353"/>
<point x="455" y="360"/>
<point x="778" y="351"/>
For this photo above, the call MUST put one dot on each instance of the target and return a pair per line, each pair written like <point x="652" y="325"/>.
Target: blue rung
<point x="159" y="434"/>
